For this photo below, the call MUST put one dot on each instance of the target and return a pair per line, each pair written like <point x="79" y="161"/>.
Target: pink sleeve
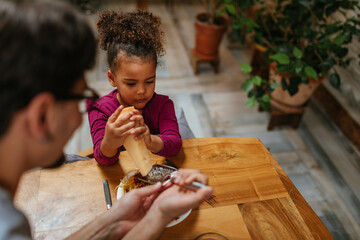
<point x="169" y="130"/>
<point x="97" y="121"/>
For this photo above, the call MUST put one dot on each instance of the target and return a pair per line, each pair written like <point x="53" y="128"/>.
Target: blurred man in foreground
<point x="45" y="48"/>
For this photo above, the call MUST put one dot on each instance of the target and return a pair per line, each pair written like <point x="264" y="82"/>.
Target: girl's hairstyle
<point x="131" y="34"/>
<point x="45" y="46"/>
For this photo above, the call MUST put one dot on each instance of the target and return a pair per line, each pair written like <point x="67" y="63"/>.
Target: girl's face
<point x="135" y="82"/>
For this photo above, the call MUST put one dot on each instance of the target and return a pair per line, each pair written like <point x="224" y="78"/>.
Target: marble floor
<point x="317" y="157"/>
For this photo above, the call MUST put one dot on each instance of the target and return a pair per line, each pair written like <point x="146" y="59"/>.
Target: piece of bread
<point x="137" y="150"/>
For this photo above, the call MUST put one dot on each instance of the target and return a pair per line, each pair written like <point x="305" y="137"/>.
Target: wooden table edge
<point x="315" y="225"/>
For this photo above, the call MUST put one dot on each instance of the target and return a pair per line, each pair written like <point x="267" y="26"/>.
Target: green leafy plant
<point x="258" y="89"/>
<point x="304" y="40"/>
<point x="241" y="24"/>
<point x="213" y="10"/>
<point x="234" y="9"/>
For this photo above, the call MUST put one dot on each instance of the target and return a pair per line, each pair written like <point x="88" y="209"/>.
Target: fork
<point x="211" y="200"/>
<point x="192" y="186"/>
<point x="170" y="178"/>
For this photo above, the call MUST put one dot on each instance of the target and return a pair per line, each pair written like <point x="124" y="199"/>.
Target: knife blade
<point x="107" y="194"/>
<point x="170" y="163"/>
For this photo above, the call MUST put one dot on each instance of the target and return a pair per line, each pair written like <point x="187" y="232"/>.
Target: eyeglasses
<point x="87" y="99"/>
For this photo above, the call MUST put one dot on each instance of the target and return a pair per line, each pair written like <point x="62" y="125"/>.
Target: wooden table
<point x="254" y="197"/>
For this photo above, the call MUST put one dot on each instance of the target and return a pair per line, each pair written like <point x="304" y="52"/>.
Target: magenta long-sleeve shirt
<point x="158" y="114"/>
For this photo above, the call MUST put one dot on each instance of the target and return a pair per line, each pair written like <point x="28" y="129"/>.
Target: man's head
<point x="45" y="48"/>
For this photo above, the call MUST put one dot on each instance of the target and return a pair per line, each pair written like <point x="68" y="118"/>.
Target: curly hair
<point x="131" y="34"/>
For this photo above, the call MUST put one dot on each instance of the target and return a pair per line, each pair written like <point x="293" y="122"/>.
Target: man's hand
<point x="133" y="206"/>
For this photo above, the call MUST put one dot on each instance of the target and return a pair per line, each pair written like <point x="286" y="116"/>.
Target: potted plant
<point x="303" y="45"/>
<point x="241" y="24"/>
<point x="210" y="27"/>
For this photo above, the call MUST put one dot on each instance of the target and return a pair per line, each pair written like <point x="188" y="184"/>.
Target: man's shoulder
<point x="12" y="221"/>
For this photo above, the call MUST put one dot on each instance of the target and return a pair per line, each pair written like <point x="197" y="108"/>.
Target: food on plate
<point x="137" y="150"/>
<point x="130" y="182"/>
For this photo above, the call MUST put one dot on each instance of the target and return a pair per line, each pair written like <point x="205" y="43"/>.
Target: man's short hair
<point x="45" y="46"/>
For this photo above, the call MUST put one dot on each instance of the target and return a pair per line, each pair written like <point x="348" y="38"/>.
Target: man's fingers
<point x="197" y="177"/>
<point x="196" y="198"/>
<point x="147" y="191"/>
<point x="203" y="193"/>
<point x="186" y="176"/>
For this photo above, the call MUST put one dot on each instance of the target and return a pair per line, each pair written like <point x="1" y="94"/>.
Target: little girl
<point x="134" y="42"/>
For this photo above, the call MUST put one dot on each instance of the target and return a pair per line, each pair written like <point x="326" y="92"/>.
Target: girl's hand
<point x="141" y="130"/>
<point x="117" y="128"/>
<point x="152" y="142"/>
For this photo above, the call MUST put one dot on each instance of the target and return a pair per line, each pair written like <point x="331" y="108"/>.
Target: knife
<point x="107" y="194"/>
<point x="170" y="163"/>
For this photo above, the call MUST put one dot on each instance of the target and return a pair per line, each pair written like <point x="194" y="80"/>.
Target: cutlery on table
<point x="107" y="194"/>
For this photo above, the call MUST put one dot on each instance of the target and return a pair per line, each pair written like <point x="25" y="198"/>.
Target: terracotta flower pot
<point x="208" y="36"/>
<point x="282" y="100"/>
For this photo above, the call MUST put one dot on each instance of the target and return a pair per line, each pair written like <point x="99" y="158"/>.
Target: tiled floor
<point x="320" y="161"/>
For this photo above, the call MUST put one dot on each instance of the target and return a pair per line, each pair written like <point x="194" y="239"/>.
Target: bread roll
<point x="137" y="150"/>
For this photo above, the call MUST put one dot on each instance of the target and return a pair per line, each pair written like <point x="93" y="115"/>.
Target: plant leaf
<point x="297" y="53"/>
<point x="265" y="105"/>
<point x="220" y="12"/>
<point x="298" y="66"/>
<point x="281" y="58"/>
<point x="310" y="71"/>
<point x="251" y="102"/>
<point x="305" y="3"/>
<point x="284" y="48"/>
<point x="334" y="79"/>
<point x="332" y="8"/>
<point x="245" y="68"/>
<point x="265" y="98"/>
<point x="284" y="69"/>
<point x="305" y="79"/>
<point x="284" y="84"/>
<point x="237" y="25"/>
<point x="339" y="39"/>
<point x="250" y="23"/>
<point x="247" y="86"/>
<point x="341" y="52"/>
<point x="274" y="86"/>
<point x="294" y="85"/>
<point x="256" y="80"/>
<point x="230" y="9"/>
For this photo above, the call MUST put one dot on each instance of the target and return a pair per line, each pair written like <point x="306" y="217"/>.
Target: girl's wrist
<point x="155" y="144"/>
<point x="107" y="150"/>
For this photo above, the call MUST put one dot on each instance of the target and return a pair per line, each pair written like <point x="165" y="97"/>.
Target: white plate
<point x="120" y="193"/>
